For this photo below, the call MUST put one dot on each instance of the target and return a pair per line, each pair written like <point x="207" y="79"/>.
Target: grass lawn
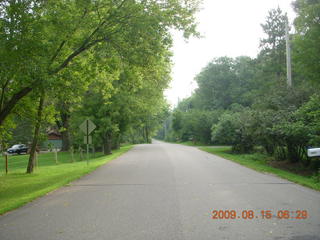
<point x="259" y="162"/>
<point x="18" y="163"/>
<point x="18" y="188"/>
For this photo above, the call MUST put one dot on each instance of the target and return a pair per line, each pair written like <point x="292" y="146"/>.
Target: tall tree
<point x="42" y="38"/>
<point x="306" y="41"/>
<point x="214" y="83"/>
<point x="274" y="45"/>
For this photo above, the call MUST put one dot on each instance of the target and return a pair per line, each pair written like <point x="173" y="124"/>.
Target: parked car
<point x="18" y="148"/>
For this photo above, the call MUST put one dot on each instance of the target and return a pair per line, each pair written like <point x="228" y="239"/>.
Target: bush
<point x="235" y="129"/>
<point x="194" y="125"/>
<point x="286" y="134"/>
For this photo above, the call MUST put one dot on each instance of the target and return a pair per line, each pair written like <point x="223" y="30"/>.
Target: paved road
<point x="166" y="192"/>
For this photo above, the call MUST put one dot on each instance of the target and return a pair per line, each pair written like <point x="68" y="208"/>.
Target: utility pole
<point x="289" y="72"/>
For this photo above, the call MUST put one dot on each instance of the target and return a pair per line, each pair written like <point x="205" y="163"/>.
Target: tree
<point x="215" y="84"/>
<point x="36" y="133"/>
<point x="306" y="41"/>
<point x="274" y="45"/>
<point x="247" y="101"/>
<point x="235" y="128"/>
<point x="223" y="82"/>
<point x="68" y="95"/>
<point x="126" y="97"/>
<point x="42" y="38"/>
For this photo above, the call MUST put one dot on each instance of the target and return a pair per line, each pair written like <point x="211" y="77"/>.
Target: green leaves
<point x="246" y="102"/>
<point x="42" y="39"/>
<point x="306" y="41"/>
<point x="106" y="59"/>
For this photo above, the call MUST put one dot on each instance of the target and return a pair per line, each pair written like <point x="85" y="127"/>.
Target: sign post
<point x="87" y="127"/>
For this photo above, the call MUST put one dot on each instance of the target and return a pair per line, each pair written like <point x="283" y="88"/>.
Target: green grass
<point x="18" y="163"/>
<point x="18" y="188"/>
<point x="190" y="143"/>
<point x="259" y="162"/>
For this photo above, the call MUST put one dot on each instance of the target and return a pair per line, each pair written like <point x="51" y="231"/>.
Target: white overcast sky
<point x="229" y="28"/>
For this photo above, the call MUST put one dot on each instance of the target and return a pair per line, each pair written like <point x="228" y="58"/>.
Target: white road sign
<point x="87" y="126"/>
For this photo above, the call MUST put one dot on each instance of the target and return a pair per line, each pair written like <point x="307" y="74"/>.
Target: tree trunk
<point x="107" y="144"/>
<point x="36" y="134"/>
<point x="147" y="135"/>
<point x="144" y="134"/>
<point x="65" y="134"/>
<point x="116" y="142"/>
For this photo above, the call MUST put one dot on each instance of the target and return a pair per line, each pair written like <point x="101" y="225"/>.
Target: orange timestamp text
<point x="261" y="214"/>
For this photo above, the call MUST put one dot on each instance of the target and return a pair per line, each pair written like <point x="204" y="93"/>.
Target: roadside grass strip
<point x="18" y="188"/>
<point x="259" y="162"/>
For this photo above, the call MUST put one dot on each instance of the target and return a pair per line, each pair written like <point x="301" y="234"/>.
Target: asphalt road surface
<point x="168" y="192"/>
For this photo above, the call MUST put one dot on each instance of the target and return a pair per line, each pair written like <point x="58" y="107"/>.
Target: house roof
<point x="54" y="134"/>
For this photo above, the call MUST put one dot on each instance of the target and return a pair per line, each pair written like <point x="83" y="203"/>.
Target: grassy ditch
<point x="17" y="188"/>
<point x="260" y="162"/>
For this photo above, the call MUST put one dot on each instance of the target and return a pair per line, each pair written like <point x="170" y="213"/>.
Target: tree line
<point x="65" y="60"/>
<point x="246" y="102"/>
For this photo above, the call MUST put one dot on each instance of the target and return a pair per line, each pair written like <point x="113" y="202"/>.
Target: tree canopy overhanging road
<point x="64" y="61"/>
<point x="167" y="191"/>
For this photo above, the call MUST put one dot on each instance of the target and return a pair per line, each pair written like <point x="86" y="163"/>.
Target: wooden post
<point x="72" y="156"/>
<point x="56" y="155"/>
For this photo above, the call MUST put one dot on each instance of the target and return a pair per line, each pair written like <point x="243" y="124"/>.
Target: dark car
<point x="18" y="148"/>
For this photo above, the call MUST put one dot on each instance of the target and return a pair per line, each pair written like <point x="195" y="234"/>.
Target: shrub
<point x="235" y="129"/>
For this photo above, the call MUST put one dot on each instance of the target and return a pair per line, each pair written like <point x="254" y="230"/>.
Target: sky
<point x="228" y="28"/>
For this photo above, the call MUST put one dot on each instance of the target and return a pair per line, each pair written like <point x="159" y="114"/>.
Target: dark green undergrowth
<point x="260" y="162"/>
<point x="190" y="143"/>
<point x="18" y="188"/>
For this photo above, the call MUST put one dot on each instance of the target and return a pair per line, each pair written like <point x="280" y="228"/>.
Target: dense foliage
<point x="246" y="102"/>
<point x="63" y="61"/>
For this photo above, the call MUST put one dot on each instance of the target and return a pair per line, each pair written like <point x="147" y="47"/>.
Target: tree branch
<point x="3" y="88"/>
<point x="76" y="53"/>
<point x="12" y="102"/>
<point x="85" y="45"/>
<point x="58" y="50"/>
<point x="68" y="35"/>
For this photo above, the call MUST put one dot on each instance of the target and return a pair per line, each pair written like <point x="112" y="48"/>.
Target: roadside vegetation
<point x="190" y="143"/>
<point x="65" y="61"/>
<point x="18" y="188"/>
<point x="248" y="104"/>
<point x="263" y="163"/>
